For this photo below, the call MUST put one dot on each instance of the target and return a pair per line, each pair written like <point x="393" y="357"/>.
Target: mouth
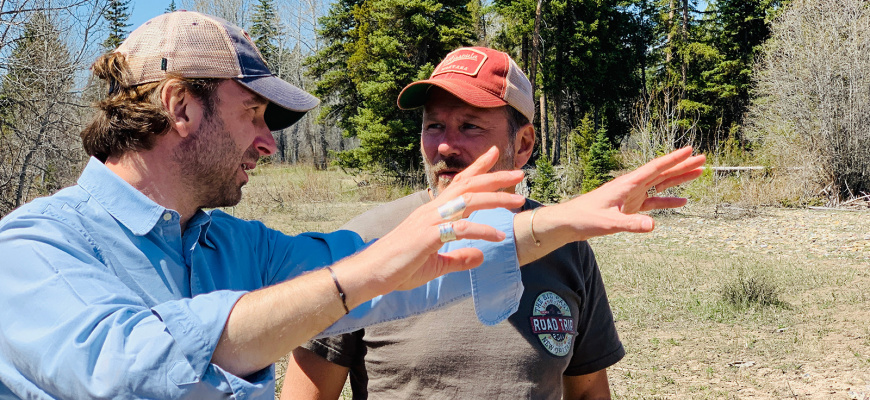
<point x="446" y="176"/>
<point x="248" y="166"/>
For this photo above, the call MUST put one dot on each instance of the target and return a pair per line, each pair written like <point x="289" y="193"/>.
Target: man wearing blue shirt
<point x="123" y="287"/>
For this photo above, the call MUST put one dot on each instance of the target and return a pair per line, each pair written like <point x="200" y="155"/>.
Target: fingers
<point x="483" y="164"/>
<point x="660" y="203"/>
<point x="458" y="260"/>
<point x="656" y="167"/>
<point x="465" y="229"/>
<point x="487" y="200"/>
<point x="488" y="182"/>
<point x="675" y="163"/>
<point x="680" y="179"/>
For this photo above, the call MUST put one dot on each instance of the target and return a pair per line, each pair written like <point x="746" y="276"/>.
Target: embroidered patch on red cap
<point x="463" y="61"/>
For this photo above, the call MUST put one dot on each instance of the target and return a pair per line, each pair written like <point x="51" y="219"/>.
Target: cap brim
<point x="288" y="103"/>
<point x="416" y="94"/>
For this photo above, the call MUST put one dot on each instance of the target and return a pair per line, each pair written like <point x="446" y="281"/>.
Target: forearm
<point x="298" y="310"/>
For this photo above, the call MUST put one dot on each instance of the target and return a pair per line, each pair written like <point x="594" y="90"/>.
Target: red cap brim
<point x="415" y="94"/>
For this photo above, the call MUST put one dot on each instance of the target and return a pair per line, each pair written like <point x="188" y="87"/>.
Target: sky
<point x="144" y="10"/>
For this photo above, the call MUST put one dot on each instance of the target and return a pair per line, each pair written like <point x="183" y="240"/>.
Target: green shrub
<point x="599" y="162"/>
<point x="544" y="184"/>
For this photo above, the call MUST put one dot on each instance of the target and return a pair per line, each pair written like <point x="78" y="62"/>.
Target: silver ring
<point x="447" y="232"/>
<point x="651" y="192"/>
<point x="453" y="209"/>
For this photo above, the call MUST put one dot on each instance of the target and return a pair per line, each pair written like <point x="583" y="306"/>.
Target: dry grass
<point x="701" y="324"/>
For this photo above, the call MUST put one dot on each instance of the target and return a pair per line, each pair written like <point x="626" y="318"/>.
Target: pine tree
<point x="373" y="49"/>
<point x="265" y="30"/>
<point x="599" y="162"/>
<point x="117" y="14"/>
<point x="171" y="7"/>
<point x="544" y="184"/>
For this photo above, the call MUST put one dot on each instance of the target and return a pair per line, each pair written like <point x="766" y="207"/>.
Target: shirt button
<point x="167" y="216"/>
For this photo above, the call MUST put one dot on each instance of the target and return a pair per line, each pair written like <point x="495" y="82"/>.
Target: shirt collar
<point x="125" y="203"/>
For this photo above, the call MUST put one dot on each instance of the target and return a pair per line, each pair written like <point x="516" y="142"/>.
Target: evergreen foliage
<point x="266" y="29"/>
<point x="545" y="185"/>
<point x="599" y="162"/>
<point x="117" y="14"/>
<point x="373" y="49"/>
<point x="171" y="7"/>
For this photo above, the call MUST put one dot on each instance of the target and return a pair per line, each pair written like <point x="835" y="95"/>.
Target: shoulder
<point x="68" y="206"/>
<point x="378" y="221"/>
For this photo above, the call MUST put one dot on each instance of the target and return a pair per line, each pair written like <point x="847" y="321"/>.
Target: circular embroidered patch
<point x="551" y="321"/>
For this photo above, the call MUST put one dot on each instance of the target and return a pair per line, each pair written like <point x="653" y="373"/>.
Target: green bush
<point x="544" y="184"/>
<point x="599" y="162"/>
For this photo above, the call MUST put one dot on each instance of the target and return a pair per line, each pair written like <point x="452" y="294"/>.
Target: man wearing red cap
<point x="562" y="339"/>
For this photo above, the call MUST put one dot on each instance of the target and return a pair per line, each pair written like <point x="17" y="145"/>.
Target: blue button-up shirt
<point x="102" y="294"/>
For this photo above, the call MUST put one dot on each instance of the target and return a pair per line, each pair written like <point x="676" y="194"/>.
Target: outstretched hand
<point x="613" y="207"/>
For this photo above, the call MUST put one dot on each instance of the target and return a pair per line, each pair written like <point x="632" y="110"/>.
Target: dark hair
<point x="516" y="120"/>
<point x="130" y="118"/>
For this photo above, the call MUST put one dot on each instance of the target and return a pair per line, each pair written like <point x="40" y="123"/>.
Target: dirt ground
<point x="683" y="341"/>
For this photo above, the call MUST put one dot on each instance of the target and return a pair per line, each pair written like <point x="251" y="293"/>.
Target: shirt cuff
<point x="497" y="285"/>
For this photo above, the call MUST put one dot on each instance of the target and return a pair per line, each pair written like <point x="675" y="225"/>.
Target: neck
<point x="155" y="177"/>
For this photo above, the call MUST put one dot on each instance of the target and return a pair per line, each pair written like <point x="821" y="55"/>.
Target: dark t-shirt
<point x="564" y="326"/>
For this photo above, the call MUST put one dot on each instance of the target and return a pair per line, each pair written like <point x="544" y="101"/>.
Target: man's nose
<point x="448" y="145"/>
<point x="264" y="141"/>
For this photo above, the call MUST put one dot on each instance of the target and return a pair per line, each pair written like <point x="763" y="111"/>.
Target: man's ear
<point x="184" y="109"/>
<point x="524" y="144"/>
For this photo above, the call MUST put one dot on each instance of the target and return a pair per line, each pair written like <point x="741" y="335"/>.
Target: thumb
<point x="637" y="223"/>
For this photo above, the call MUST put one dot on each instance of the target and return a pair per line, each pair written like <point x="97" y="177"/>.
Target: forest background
<point x="781" y="86"/>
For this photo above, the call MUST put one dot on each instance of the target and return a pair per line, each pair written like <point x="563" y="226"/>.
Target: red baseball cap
<point x="479" y="76"/>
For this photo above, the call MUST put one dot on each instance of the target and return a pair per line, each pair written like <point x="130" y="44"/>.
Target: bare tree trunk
<point x="557" y="131"/>
<point x="545" y="137"/>
<point x="294" y="144"/>
<point x="684" y="30"/>
<point x="536" y="43"/>
<point x="324" y="148"/>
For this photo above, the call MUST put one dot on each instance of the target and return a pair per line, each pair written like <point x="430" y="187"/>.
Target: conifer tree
<point x="373" y="49"/>
<point x="117" y="14"/>
<point x="265" y="30"/>
<point x="171" y="7"/>
<point x="544" y="184"/>
<point x="599" y="162"/>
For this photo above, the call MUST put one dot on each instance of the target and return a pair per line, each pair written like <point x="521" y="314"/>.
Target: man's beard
<point x="210" y="161"/>
<point x="505" y="162"/>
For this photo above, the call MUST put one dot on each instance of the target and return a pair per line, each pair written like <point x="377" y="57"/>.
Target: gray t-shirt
<point x="564" y="326"/>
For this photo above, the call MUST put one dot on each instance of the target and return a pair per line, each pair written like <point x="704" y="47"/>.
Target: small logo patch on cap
<point x="463" y="61"/>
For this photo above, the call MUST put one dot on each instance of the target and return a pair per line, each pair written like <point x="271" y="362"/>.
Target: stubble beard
<point x="436" y="185"/>
<point x="209" y="164"/>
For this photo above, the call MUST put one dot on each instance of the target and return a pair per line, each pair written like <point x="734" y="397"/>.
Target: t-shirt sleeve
<point x="344" y="350"/>
<point x="597" y="345"/>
